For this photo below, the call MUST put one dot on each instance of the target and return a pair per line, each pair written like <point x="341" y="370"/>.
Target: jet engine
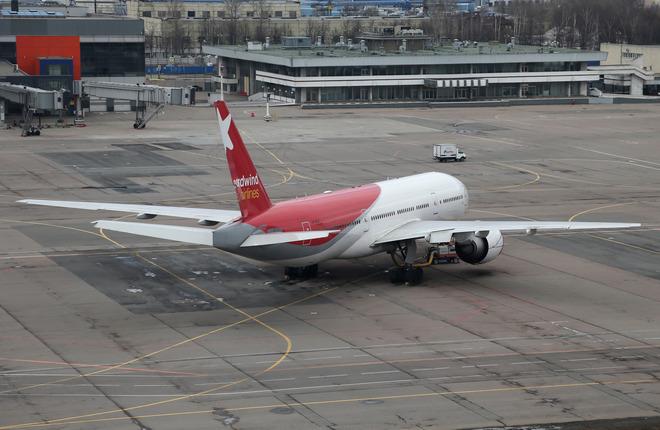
<point x="478" y="249"/>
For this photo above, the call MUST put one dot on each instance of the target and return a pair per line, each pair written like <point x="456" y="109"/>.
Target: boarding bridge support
<point x="149" y="99"/>
<point x="33" y="100"/>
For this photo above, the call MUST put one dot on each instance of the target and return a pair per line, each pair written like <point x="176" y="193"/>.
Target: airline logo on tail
<point x="224" y="125"/>
<point x="250" y="191"/>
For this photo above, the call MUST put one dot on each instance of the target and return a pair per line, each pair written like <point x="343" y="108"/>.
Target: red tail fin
<point x="250" y="191"/>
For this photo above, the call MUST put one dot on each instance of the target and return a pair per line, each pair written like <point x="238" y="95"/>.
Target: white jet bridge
<point x="149" y="99"/>
<point x="32" y="99"/>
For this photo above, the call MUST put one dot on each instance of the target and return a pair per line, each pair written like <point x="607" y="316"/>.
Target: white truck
<point x="447" y="152"/>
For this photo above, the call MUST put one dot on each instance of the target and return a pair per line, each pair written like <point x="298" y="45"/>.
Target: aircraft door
<point x="434" y="203"/>
<point x="306" y="226"/>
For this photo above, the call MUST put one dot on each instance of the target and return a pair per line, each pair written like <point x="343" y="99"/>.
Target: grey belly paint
<point x="230" y="237"/>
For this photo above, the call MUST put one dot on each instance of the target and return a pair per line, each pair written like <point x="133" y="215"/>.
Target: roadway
<point x="104" y="330"/>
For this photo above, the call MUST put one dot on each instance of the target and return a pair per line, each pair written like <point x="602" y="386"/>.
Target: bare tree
<point x="232" y="11"/>
<point x="262" y="12"/>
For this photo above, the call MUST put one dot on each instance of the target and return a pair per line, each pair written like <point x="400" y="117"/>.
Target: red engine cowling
<point x="479" y="250"/>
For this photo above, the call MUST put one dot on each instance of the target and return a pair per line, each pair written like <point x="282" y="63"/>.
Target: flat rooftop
<point x="332" y="55"/>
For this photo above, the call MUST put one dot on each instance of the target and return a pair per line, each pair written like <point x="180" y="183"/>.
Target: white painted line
<point x="487" y="365"/>
<point x="361" y="355"/>
<point x="617" y="156"/>
<point x="416" y="352"/>
<point x="214" y="383"/>
<point x="527" y="362"/>
<point x="40" y="374"/>
<point x="651" y="338"/>
<point x="454" y="377"/>
<point x="426" y="369"/>
<point x="323" y="358"/>
<point x="262" y="362"/>
<point x="625" y="357"/>
<point x="106" y="375"/>
<point x="381" y="372"/>
<point x="41" y="369"/>
<point x="153" y="385"/>
<point x="598" y="368"/>
<point x="226" y="393"/>
<point x="327" y="376"/>
<point x="580" y="359"/>
<point x="467" y="367"/>
<point x="277" y="379"/>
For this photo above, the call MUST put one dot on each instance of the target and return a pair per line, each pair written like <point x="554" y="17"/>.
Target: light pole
<point x="267" y="117"/>
<point x="221" y="75"/>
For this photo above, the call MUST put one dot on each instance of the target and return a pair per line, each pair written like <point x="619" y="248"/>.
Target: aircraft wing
<point x="442" y="231"/>
<point x="217" y="215"/>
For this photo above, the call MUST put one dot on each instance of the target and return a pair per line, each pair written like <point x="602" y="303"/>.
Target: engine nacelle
<point x="479" y="250"/>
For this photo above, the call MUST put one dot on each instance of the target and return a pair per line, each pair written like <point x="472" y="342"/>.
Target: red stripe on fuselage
<point x="331" y="211"/>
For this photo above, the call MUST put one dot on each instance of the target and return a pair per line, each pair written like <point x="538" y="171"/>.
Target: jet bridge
<point x="32" y="100"/>
<point x="149" y="99"/>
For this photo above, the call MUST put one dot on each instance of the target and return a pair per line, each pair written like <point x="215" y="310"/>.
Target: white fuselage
<point x="426" y="196"/>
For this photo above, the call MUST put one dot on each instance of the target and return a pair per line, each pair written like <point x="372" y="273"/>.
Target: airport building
<point x="55" y="49"/>
<point x="49" y="50"/>
<point x="402" y="65"/>
<point x="638" y="66"/>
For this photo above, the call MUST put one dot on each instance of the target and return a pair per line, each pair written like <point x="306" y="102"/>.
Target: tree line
<point x="569" y="23"/>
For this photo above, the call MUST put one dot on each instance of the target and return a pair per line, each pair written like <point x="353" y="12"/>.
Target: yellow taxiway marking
<point x="248" y="317"/>
<point x="97" y="253"/>
<point x="501" y="214"/>
<point x="537" y="176"/>
<point x="607" y="239"/>
<point x="45" y="224"/>
<point x="48" y="423"/>
<point x="572" y="218"/>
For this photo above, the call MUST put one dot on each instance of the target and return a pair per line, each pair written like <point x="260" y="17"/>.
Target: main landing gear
<point x="301" y="273"/>
<point x="406" y="272"/>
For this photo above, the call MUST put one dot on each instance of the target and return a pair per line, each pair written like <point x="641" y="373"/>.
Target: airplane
<point x="396" y="216"/>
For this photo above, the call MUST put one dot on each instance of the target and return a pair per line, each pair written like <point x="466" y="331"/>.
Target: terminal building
<point x="60" y="49"/>
<point x="401" y="65"/>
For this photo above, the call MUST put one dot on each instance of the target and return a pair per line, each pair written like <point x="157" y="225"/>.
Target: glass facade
<point x="8" y="51"/>
<point x="462" y="87"/>
<point x="112" y="59"/>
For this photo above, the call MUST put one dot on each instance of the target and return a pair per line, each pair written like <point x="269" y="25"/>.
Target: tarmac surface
<point x="102" y="330"/>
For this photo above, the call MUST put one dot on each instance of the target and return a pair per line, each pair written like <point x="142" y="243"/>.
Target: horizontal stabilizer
<point x="285" y="237"/>
<point x="147" y="211"/>
<point x="198" y="236"/>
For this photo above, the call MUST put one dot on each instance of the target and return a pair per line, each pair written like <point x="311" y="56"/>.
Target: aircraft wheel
<point x="414" y="275"/>
<point x="305" y="272"/>
<point x="397" y="275"/>
<point x="310" y="271"/>
<point x="291" y="273"/>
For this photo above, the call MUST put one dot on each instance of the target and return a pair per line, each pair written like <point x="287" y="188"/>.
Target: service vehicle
<point x="448" y="152"/>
